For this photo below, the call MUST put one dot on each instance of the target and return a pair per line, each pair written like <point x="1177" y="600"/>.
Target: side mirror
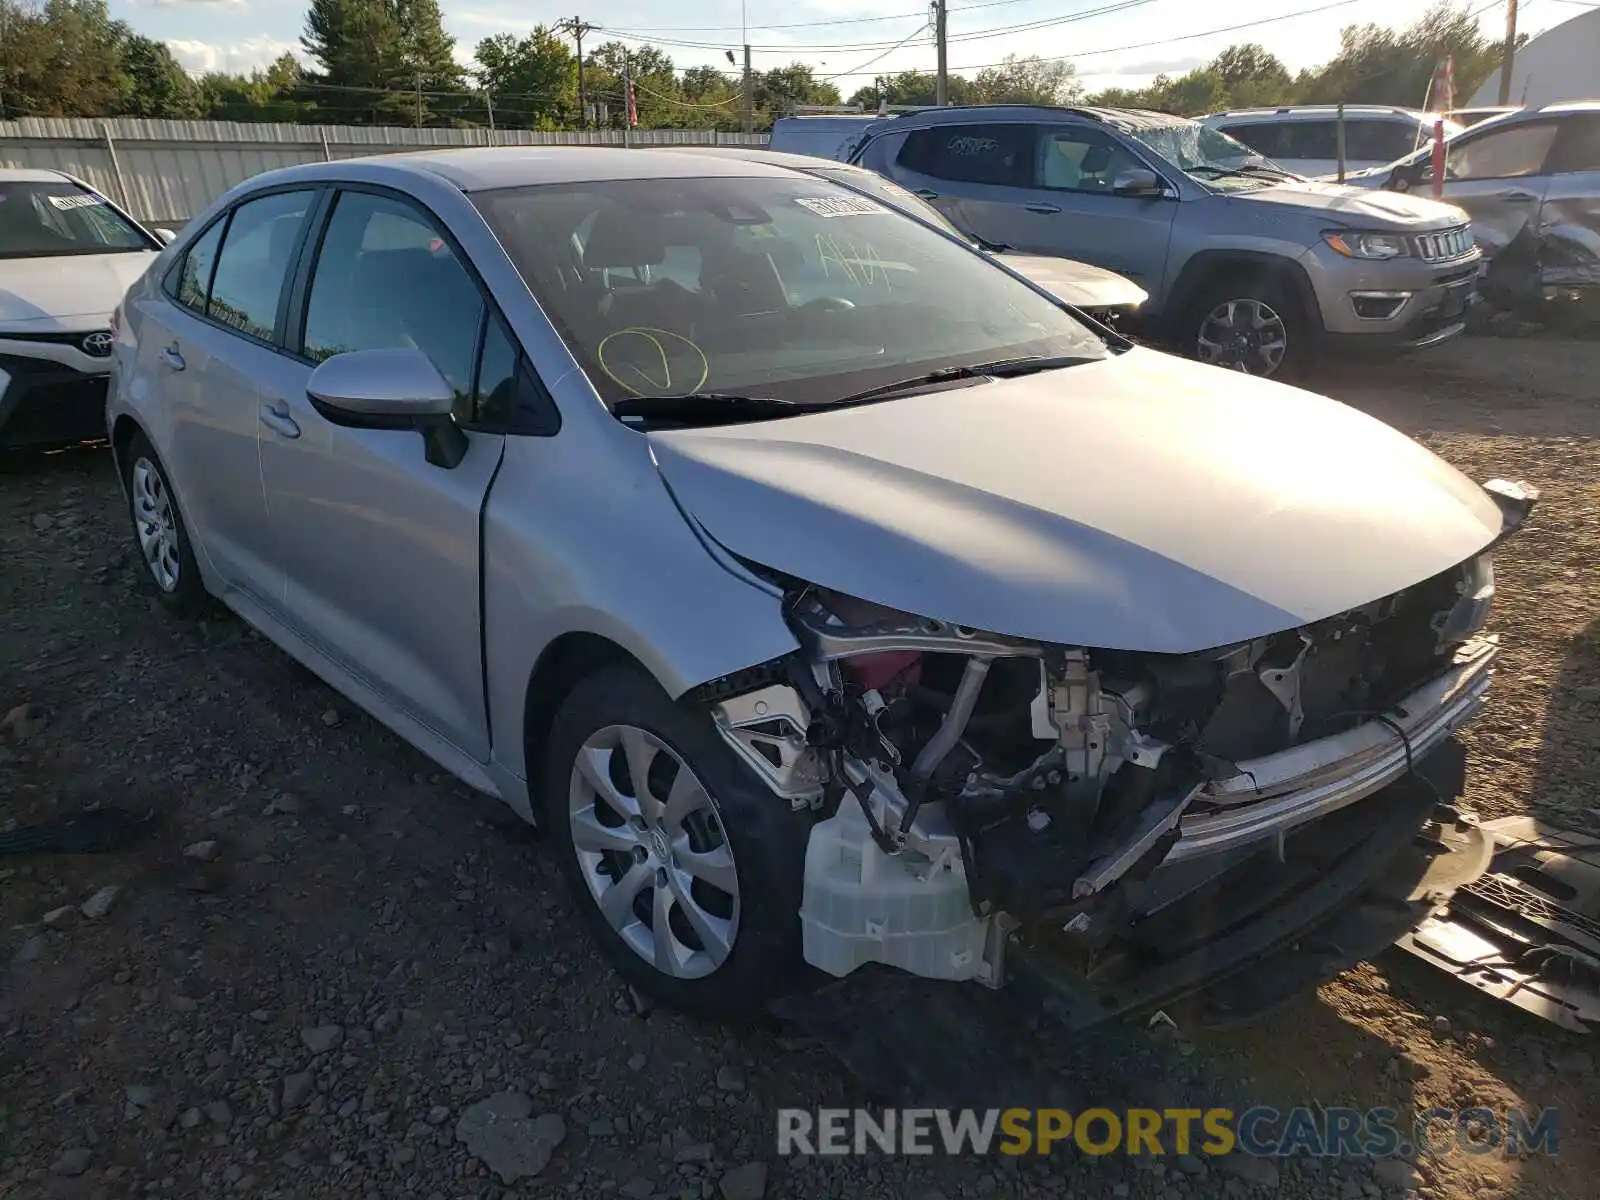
<point x="164" y="236"/>
<point x="1139" y="182"/>
<point x="391" y="389"/>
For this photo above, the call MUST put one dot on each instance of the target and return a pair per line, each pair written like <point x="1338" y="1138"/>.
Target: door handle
<point x="170" y="357"/>
<point x="279" y="421"/>
<point x="1046" y="209"/>
<point x="1518" y="198"/>
<point x="925" y="193"/>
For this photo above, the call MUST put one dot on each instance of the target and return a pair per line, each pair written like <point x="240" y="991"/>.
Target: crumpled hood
<point x="1356" y="206"/>
<point x="1140" y="503"/>
<point x="1078" y="283"/>
<point x="68" y="292"/>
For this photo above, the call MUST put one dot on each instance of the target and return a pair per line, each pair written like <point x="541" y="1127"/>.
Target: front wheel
<point x="687" y="870"/>
<point x="1252" y="326"/>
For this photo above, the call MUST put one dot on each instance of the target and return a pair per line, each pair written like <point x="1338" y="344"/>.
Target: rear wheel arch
<point x="122" y="435"/>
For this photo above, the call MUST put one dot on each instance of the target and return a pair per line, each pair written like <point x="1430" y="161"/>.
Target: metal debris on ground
<point x="1528" y="931"/>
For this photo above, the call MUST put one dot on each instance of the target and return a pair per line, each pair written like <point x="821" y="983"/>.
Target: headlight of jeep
<point x="1354" y="243"/>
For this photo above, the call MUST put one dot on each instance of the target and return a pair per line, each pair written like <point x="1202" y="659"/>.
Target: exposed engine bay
<point x="975" y="790"/>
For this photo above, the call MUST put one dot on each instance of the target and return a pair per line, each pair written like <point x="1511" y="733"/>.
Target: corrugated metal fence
<point x="165" y="172"/>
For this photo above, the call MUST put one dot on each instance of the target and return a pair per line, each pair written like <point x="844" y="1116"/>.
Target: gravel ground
<point x="308" y="980"/>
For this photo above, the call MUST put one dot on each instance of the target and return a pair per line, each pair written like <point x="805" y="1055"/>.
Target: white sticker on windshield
<point x="80" y="200"/>
<point x="841" y="206"/>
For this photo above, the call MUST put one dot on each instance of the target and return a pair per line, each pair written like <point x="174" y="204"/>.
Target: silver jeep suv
<point x="1246" y="266"/>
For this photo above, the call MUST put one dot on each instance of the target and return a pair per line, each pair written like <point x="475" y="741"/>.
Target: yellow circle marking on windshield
<point x="663" y="385"/>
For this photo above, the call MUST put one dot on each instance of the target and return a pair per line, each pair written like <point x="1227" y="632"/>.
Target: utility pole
<point x="419" y="99"/>
<point x="749" y="96"/>
<point x="1511" y="52"/>
<point x="941" y="91"/>
<point x="577" y="27"/>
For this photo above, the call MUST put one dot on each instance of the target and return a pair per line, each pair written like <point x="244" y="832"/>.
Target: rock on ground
<point x="501" y="1134"/>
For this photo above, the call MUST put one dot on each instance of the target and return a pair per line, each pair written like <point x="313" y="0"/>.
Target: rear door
<point x="1569" y="221"/>
<point x="214" y="333"/>
<point x="977" y="174"/>
<point x="379" y="550"/>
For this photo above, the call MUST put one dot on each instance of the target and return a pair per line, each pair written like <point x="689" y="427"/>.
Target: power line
<point x="862" y="69"/>
<point x="819" y="24"/>
<point x="1187" y="37"/>
<point x="812" y="47"/>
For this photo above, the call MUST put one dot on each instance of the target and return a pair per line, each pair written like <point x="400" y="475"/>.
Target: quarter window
<point x="257" y="252"/>
<point x="194" y="276"/>
<point x="1000" y="155"/>
<point x="387" y="278"/>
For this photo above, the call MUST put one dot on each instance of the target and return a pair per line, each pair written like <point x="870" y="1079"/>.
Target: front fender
<point x="582" y="536"/>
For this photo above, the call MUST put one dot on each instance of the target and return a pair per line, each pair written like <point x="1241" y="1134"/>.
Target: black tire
<point x="767" y="839"/>
<point x="1264" y="290"/>
<point x="184" y="593"/>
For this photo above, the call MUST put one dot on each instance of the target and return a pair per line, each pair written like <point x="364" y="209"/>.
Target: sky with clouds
<point x="1112" y="42"/>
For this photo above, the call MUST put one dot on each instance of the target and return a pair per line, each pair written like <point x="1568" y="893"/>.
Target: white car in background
<point x="67" y="257"/>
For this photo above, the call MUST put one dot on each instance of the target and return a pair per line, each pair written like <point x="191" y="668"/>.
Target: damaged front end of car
<point x="1126" y="828"/>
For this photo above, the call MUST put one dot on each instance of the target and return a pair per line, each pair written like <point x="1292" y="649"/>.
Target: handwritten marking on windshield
<point x="860" y="265"/>
<point x="652" y="360"/>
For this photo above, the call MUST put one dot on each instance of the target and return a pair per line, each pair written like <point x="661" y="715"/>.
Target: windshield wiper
<point x="1003" y="368"/>
<point x="710" y="408"/>
<point x="1249" y="171"/>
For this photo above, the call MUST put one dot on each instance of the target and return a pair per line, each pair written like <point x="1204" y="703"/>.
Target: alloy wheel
<point x="155" y="523"/>
<point x="1243" y="335"/>
<point x="651" y="848"/>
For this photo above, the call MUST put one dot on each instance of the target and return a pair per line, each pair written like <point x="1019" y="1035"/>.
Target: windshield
<point x="1207" y="154"/>
<point x="872" y="184"/>
<point x="790" y="288"/>
<point x="49" y="218"/>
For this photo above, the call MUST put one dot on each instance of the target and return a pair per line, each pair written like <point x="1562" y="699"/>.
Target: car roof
<point x="1320" y="111"/>
<point x="1125" y="118"/>
<point x="31" y="175"/>
<point x="487" y="168"/>
<point x="809" y="163"/>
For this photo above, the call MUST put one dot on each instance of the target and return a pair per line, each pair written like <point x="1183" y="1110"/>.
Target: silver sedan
<point x="829" y="594"/>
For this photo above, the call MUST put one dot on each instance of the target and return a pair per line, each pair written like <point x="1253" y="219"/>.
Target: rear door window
<point x="998" y="155"/>
<point x="1380" y="141"/>
<point x="257" y="252"/>
<point x="1309" y="139"/>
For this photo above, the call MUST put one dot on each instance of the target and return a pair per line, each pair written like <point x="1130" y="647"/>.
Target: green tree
<point x="1027" y="80"/>
<point x="779" y="90"/>
<point x="61" y="58"/>
<point x="158" y="86"/>
<point x="1382" y="66"/>
<point x="912" y="88"/>
<point x="391" y="49"/>
<point x="533" y="79"/>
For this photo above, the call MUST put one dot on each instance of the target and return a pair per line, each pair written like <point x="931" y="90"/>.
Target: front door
<point x="1498" y="177"/>
<point x="380" y="551"/>
<point x="1071" y="206"/>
